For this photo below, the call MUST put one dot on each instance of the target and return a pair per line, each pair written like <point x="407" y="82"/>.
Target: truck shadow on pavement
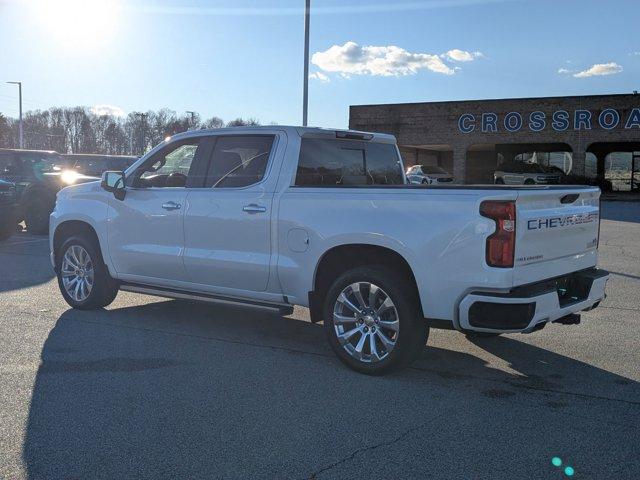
<point x="24" y="262"/>
<point x="181" y="390"/>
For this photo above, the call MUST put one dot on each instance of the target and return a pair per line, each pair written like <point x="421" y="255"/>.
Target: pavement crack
<point x="534" y="388"/>
<point x="627" y="309"/>
<point x="361" y="450"/>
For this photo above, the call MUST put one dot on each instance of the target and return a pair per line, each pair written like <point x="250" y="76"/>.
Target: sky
<point x="240" y="58"/>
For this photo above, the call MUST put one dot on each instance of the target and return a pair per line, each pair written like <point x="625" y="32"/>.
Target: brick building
<point x="594" y="138"/>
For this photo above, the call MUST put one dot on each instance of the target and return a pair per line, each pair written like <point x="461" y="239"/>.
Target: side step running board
<point x="284" y="308"/>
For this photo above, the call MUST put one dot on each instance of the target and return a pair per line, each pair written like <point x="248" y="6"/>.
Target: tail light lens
<point x="501" y="244"/>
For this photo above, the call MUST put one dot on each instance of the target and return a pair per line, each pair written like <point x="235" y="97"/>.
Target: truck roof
<point x="316" y="132"/>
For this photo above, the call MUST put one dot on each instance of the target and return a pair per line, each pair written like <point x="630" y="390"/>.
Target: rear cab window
<point x="344" y="163"/>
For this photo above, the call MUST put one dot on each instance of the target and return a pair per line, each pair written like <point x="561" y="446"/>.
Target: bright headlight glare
<point x="69" y="177"/>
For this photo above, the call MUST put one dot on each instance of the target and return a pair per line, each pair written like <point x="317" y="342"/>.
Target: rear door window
<point x="329" y="162"/>
<point x="238" y="160"/>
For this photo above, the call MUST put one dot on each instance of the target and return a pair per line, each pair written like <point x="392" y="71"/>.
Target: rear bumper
<point x="524" y="308"/>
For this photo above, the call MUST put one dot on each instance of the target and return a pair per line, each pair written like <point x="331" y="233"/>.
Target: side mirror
<point x="114" y="182"/>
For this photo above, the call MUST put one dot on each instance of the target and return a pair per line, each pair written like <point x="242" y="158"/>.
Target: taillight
<point x="501" y="244"/>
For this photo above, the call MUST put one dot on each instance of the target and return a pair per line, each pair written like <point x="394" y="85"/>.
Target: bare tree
<point x="79" y="130"/>
<point x="213" y="122"/>
<point x="240" y="122"/>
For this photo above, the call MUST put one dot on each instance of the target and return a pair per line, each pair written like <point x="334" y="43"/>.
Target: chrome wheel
<point x="77" y="273"/>
<point x="366" y="322"/>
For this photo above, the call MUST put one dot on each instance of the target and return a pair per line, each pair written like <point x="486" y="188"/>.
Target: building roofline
<point x="500" y="99"/>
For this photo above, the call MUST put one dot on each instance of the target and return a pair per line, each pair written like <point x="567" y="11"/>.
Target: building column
<point x="579" y="157"/>
<point x="600" y="156"/>
<point x="460" y="164"/>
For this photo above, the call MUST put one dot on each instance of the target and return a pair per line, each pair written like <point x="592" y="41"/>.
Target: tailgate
<point x="556" y="233"/>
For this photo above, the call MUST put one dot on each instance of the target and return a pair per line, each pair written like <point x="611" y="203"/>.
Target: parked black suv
<point x="95" y="164"/>
<point x="37" y="175"/>
<point x="8" y="209"/>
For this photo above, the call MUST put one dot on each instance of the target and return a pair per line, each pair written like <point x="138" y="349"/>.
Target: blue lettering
<point x="634" y="119"/>
<point x="560" y="120"/>
<point x="609" y="118"/>
<point x="466" y="123"/>
<point x="582" y="118"/>
<point x="513" y="121"/>
<point x="489" y="122"/>
<point x="537" y="121"/>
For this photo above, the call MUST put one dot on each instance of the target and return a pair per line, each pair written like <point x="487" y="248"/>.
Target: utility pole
<point x="20" y="107"/>
<point x="143" y="118"/>
<point x="193" y="118"/>
<point x="305" y="90"/>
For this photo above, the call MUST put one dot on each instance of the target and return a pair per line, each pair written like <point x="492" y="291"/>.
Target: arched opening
<point x="428" y="155"/>
<point x="553" y="162"/>
<point x="617" y="165"/>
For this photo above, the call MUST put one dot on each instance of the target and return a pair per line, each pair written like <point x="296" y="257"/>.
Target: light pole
<point x="305" y="89"/>
<point x="20" y="107"/>
<point x="193" y="118"/>
<point x="143" y="118"/>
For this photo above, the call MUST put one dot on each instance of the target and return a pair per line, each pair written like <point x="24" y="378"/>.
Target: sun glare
<point x="79" y="24"/>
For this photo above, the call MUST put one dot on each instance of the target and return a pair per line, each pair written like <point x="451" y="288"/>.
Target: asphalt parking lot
<point x="156" y="388"/>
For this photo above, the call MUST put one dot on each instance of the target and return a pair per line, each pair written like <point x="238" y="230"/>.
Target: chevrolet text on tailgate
<point x="283" y="216"/>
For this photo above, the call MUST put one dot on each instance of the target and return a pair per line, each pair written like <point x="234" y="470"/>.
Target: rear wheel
<point x="529" y="181"/>
<point x="37" y="216"/>
<point x="83" y="277"/>
<point x="373" y="320"/>
<point x="499" y="181"/>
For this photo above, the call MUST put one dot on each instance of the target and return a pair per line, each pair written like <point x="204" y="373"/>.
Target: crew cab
<point x="37" y="176"/>
<point x="282" y="216"/>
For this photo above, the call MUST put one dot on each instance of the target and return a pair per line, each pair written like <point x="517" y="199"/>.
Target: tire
<point x="499" y="181"/>
<point x="37" y="216"/>
<point x="409" y="338"/>
<point x="425" y="181"/>
<point x="103" y="289"/>
<point x="529" y="181"/>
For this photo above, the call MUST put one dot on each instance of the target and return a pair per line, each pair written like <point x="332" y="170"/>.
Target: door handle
<point x="254" y="208"/>
<point x="171" y="206"/>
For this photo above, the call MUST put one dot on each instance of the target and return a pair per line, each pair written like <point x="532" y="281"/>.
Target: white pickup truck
<point x="282" y="216"/>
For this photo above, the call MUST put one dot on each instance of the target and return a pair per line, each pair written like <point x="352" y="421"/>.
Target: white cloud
<point x="563" y="71"/>
<point x="457" y="55"/>
<point x="635" y="54"/>
<point x="600" y="69"/>
<point x="386" y="61"/>
<point x="320" y="76"/>
<point x="108" y="110"/>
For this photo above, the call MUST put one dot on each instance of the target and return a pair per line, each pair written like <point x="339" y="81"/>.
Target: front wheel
<point x="373" y="320"/>
<point x="83" y="277"/>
